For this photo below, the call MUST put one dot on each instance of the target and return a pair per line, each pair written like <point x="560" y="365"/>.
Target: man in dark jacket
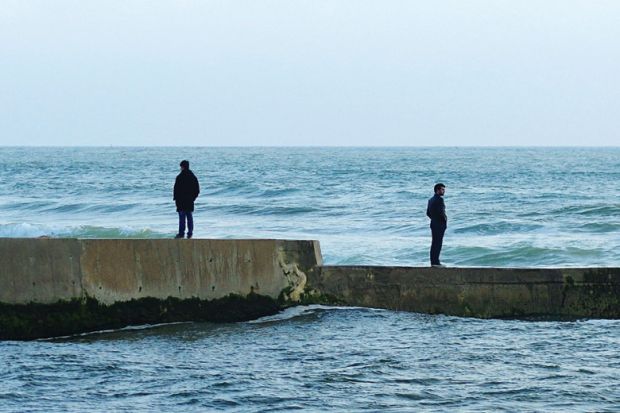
<point x="436" y="211"/>
<point x="186" y="190"/>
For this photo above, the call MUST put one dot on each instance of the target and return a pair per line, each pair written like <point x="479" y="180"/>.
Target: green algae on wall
<point x="594" y="292"/>
<point x="308" y="296"/>
<point x="32" y="321"/>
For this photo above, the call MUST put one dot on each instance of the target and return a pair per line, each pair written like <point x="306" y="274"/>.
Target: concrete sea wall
<point x="111" y="270"/>
<point x="39" y="278"/>
<point x="51" y="287"/>
<point x="476" y="292"/>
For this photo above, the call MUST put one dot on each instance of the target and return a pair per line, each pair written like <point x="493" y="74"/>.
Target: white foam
<point x="24" y="230"/>
<point x="27" y="230"/>
<point x="303" y="310"/>
<point x="115" y="330"/>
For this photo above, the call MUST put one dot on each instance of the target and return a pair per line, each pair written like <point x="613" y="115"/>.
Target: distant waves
<point x="26" y="230"/>
<point x="506" y="206"/>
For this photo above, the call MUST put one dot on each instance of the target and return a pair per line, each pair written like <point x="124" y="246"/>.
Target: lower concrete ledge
<point x="550" y="293"/>
<point x="35" y="320"/>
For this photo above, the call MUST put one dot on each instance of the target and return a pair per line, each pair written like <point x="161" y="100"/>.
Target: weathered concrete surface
<point x="476" y="292"/>
<point x="51" y="287"/>
<point x="63" y="286"/>
<point x="39" y="270"/>
<point x="112" y="270"/>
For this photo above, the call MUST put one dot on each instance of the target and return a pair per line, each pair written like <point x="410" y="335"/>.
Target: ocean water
<point x="507" y="207"/>
<point x="318" y="359"/>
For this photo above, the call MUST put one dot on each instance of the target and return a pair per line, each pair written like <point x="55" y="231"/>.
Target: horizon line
<point x="306" y="146"/>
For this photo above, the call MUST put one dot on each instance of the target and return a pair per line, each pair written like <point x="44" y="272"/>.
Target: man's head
<point x="184" y="164"/>
<point x="440" y="189"/>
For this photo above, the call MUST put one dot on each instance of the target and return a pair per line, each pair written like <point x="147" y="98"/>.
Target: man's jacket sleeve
<point x="442" y="210"/>
<point x="197" y="188"/>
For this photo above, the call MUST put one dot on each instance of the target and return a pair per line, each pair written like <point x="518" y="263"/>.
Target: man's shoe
<point x="188" y="236"/>
<point x="178" y="236"/>
<point x="438" y="266"/>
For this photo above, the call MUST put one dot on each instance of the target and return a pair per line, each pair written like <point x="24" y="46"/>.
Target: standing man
<point x="436" y="211"/>
<point x="186" y="190"/>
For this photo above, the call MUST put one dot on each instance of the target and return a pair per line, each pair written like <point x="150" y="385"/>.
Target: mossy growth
<point x="307" y="297"/>
<point x="598" y="300"/>
<point x="31" y="321"/>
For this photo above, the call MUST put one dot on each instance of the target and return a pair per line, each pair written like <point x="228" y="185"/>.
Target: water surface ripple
<point x="322" y="359"/>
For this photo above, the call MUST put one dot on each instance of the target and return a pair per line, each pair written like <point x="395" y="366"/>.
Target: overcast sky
<point x="316" y="72"/>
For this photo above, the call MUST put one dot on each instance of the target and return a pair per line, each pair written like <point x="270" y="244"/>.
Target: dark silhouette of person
<point x="436" y="211"/>
<point x="186" y="190"/>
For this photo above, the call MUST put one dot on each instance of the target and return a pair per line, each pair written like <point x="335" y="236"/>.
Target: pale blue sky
<point x="316" y="72"/>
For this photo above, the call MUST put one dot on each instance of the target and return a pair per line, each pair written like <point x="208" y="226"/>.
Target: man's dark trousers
<point x="190" y="223"/>
<point x="437" y="229"/>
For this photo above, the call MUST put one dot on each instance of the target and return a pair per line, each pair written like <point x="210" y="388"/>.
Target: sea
<point x="507" y="207"/>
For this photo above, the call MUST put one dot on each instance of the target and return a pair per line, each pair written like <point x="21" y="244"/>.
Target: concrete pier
<point x="51" y="287"/>
<point x="63" y="286"/>
<point x="477" y="292"/>
<point x="110" y="270"/>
